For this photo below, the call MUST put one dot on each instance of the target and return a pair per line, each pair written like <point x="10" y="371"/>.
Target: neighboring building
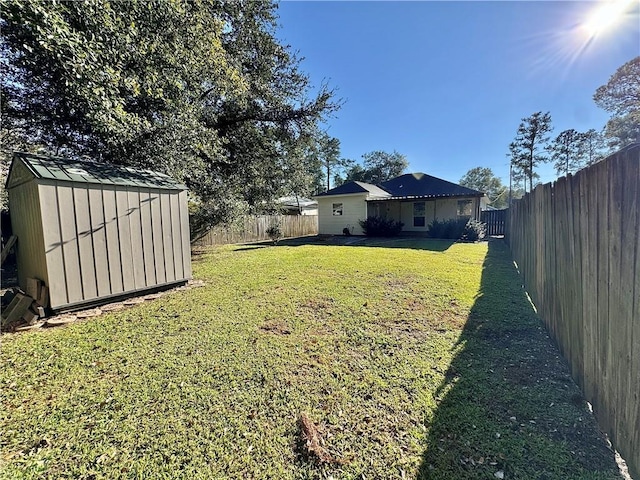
<point x="298" y="206"/>
<point x="415" y="199"/>
<point x="93" y="232"/>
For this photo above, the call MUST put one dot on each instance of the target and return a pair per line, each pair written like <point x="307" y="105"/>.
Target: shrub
<point x="460" y="229"/>
<point x="452" y="229"/>
<point x="474" y="230"/>
<point x="274" y="232"/>
<point x="380" y="227"/>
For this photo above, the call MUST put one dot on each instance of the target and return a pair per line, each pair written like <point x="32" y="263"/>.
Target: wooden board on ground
<point x="16" y="309"/>
<point x="30" y="317"/>
<point x="33" y="287"/>
<point x="43" y="296"/>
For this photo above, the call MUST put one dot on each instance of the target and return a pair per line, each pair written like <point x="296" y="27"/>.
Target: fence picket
<point x="254" y="229"/>
<point x="577" y="245"/>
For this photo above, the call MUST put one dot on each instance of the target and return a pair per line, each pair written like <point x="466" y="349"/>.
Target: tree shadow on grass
<point x="508" y="405"/>
<point x="409" y="242"/>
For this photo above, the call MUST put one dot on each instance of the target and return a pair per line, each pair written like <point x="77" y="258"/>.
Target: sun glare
<point x="605" y="16"/>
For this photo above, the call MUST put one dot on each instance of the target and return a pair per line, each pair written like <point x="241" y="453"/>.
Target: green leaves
<point x="621" y="97"/>
<point x="377" y="167"/>
<point x="621" y="94"/>
<point x="484" y="180"/>
<point x="201" y="90"/>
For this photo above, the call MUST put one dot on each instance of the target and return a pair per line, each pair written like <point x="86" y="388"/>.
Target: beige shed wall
<point x="26" y="224"/>
<point x="354" y="208"/>
<point x="103" y="240"/>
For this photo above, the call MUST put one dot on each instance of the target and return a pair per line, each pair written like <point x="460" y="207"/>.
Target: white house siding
<point x="354" y="208"/>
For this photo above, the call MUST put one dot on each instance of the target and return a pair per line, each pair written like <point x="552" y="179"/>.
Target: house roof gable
<point x="355" y="187"/>
<point x="423" y="185"/>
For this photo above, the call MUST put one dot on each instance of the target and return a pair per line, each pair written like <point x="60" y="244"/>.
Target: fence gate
<point x="495" y="221"/>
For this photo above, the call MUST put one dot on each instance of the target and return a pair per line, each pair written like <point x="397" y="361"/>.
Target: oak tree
<point x="620" y="96"/>
<point x="199" y="89"/>
<point x="484" y="180"/>
<point x="377" y="167"/>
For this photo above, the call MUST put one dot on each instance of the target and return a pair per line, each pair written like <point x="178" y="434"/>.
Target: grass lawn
<point x="414" y="358"/>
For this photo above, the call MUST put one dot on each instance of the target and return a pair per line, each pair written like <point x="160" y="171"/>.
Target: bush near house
<point x="451" y="229"/>
<point x="474" y="230"/>
<point x="380" y="227"/>
<point x="460" y="229"/>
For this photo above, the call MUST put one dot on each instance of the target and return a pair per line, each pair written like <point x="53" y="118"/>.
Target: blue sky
<point x="447" y="83"/>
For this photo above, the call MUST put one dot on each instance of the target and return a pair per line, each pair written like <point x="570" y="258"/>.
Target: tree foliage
<point x="621" y="97"/>
<point x="572" y="150"/>
<point x="199" y="89"/>
<point x="484" y="180"/>
<point x="566" y="152"/>
<point x="377" y="167"/>
<point x="527" y="151"/>
<point x="329" y="156"/>
<point x="591" y="145"/>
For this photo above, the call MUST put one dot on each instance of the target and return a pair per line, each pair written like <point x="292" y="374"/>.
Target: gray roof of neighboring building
<point x="83" y="171"/>
<point x="413" y="185"/>
<point x="294" y="202"/>
<point x="356" y="187"/>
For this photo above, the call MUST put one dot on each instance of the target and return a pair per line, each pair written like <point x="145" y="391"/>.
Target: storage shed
<point x="92" y="232"/>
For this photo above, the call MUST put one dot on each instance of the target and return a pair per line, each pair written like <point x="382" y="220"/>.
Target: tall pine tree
<point x="527" y="151"/>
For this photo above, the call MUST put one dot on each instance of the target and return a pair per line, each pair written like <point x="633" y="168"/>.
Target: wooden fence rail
<point x="254" y="228"/>
<point x="577" y="245"/>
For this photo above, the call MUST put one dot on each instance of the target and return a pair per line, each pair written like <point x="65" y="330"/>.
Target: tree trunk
<point x="328" y="177"/>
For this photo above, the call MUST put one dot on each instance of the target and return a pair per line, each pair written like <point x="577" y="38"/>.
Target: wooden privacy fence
<point x="495" y="221"/>
<point x="254" y="228"/>
<point x="577" y="246"/>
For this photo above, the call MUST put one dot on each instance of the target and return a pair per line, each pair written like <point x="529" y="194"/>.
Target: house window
<point x="464" y="208"/>
<point x="337" y="209"/>
<point x="418" y="214"/>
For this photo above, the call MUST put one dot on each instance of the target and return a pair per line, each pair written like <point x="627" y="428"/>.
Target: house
<point x="298" y="206"/>
<point x="415" y="199"/>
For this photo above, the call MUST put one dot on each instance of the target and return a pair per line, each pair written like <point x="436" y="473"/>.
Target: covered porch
<point x="417" y="213"/>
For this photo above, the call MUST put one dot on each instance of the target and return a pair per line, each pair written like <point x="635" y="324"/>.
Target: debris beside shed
<point x="27" y="308"/>
<point x="41" y="320"/>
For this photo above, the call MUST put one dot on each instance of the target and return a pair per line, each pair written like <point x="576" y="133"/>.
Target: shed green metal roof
<point x="83" y="171"/>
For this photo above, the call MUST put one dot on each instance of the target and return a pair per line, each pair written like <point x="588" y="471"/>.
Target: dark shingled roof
<point x="355" y="187"/>
<point x="422" y="185"/>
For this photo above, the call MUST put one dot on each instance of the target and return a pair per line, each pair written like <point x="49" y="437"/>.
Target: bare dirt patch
<point x="276" y="327"/>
